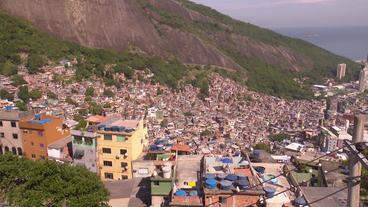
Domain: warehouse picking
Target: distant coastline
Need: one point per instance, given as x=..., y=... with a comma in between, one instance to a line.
x=351, y=42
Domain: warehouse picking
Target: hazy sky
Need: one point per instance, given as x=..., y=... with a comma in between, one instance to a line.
x=295, y=13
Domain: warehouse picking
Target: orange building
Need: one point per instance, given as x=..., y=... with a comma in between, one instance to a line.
x=39, y=132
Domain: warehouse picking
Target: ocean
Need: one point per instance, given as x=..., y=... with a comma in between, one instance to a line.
x=351, y=42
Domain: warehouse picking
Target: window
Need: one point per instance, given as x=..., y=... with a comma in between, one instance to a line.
x=42, y=157
x=124, y=177
x=88, y=140
x=32, y=144
x=40, y=133
x=20, y=151
x=15, y=136
x=42, y=145
x=13, y=124
x=106, y=150
x=156, y=183
x=14, y=150
x=6, y=149
x=33, y=156
x=109, y=176
x=124, y=165
x=120, y=138
x=1, y=150
x=107, y=163
x=123, y=151
x=2, y=135
x=143, y=171
x=107, y=137
x=222, y=200
x=78, y=140
x=1, y=123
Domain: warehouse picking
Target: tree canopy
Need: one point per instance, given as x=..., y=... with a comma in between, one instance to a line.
x=27, y=183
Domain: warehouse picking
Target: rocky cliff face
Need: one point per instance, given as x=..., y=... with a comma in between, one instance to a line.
x=167, y=28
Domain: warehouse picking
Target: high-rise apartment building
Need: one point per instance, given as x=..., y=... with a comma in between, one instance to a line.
x=341, y=70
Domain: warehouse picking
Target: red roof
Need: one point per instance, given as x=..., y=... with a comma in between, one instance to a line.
x=181, y=148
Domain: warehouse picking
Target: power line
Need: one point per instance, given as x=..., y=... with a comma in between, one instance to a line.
x=284, y=173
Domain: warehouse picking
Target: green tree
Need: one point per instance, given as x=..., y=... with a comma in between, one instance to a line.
x=35, y=94
x=95, y=108
x=8, y=68
x=279, y=137
x=21, y=105
x=34, y=63
x=18, y=80
x=52, y=95
x=90, y=92
x=27, y=183
x=261, y=146
x=4, y=94
x=70, y=101
x=23, y=94
x=108, y=93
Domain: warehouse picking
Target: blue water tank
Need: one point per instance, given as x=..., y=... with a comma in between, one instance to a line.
x=211, y=183
x=243, y=184
x=260, y=169
x=210, y=176
x=231, y=177
x=270, y=192
x=181, y=193
x=114, y=128
x=37, y=116
x=121, y=129
x=300, y=201
x=226, y=185
x=101, y=127
x=242, y=177
x=107, y=128
x=193, y=193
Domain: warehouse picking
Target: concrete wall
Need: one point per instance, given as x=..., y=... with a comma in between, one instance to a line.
x=8, y=142
x=134, y=146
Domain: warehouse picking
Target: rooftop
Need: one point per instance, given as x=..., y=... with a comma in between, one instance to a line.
x=97, y=119
x=13, y=115
x=61, y=143
x=322, y=197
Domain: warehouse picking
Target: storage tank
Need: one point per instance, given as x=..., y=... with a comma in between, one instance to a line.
x=211, y=183
x=270, y=192
x=226, y=185
x=166, y=171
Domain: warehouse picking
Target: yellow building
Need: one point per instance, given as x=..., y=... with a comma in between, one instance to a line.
x=118, y=144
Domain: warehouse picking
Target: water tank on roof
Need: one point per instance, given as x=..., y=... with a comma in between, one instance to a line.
x=37, y=116
x=107, y=128
x=231, y=177
x=300, y=201
x=243, y=184
x=121, y=129
x=101, y=127
x=242, y=177
x=114, y=128
x=193, y=193
x=260, y=169
x=181, y=193
x=211, y=183
x=226, y=184
x=8, y=108
x=221, y=176
x=210, y=176
x=270, y=192
x=167, y=172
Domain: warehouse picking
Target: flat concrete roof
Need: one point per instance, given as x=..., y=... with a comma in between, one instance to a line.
x=323, y=197
x=188, y=169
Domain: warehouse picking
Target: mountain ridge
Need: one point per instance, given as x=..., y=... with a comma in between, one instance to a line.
x=189, y=32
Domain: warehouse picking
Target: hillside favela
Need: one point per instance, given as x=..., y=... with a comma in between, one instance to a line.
x=183, y=103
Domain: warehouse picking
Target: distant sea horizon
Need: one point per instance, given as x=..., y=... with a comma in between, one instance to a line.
x=350, y=42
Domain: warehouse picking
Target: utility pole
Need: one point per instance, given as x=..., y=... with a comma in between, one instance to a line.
x=355, y=166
